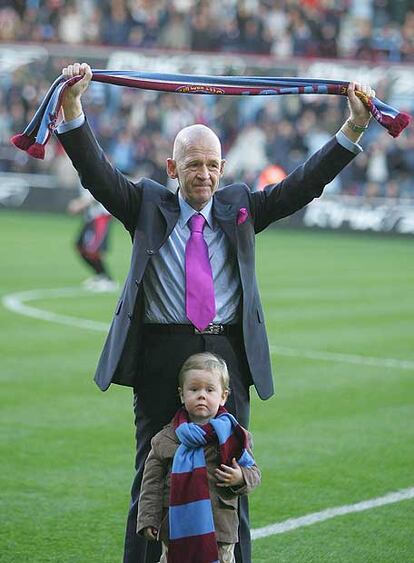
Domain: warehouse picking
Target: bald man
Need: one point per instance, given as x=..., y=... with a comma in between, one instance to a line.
x=152, y=332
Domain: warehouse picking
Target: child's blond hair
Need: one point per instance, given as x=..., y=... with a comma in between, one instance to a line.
x=206, y=361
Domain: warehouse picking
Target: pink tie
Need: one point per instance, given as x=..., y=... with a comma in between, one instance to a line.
x=200, y=305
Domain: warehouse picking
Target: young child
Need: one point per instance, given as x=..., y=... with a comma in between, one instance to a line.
x=197, y=467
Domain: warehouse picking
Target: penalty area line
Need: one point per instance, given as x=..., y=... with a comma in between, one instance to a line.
x=317, y=517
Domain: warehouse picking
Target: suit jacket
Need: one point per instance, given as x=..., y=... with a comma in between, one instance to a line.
x=154, y=498
x=149, y=211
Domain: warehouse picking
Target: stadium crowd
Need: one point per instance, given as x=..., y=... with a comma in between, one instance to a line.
x=263, y=137
x=370, y=29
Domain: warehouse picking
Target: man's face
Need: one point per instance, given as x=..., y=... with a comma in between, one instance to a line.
x=198, y=167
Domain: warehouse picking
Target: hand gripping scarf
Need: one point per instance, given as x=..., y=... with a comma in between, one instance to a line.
x=44, y=122
x=192, y=537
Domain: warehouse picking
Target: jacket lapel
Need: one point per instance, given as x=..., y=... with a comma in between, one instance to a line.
x=170, y=209
x=226, y=218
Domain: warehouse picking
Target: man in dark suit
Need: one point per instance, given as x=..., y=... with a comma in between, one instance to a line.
x=151, y=334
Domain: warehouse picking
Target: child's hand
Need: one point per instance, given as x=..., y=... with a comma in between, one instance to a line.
x=229, y=476
x=150, y=533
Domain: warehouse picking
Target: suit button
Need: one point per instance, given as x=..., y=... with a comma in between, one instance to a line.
x=137, y=283
x=130, y=316
x=150, y=252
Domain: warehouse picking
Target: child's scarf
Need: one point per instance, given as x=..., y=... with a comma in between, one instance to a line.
x=192, y=537
x=44, y=122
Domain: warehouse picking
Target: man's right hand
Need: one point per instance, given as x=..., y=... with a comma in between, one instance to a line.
x=71, y=102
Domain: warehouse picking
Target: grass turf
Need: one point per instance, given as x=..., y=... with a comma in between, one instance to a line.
x=338, y=431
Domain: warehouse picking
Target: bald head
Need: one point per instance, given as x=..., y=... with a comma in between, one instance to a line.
x=195, y=135
x=196, y=164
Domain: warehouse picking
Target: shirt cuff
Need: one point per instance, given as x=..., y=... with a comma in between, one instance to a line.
x=66, y=126
x=347, y=143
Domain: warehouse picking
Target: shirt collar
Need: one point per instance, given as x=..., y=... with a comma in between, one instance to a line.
x=186, y=211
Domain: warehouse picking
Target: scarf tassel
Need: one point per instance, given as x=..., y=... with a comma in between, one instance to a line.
x=396, y=124
x=23, y=141
x=44, y=122
x=29, y=144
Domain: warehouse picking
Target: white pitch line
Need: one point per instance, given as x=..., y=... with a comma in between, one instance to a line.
x=16, y=302
x=343, y=358
x=316, y=517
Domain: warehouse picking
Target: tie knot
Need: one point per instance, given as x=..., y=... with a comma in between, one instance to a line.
x=197, y=223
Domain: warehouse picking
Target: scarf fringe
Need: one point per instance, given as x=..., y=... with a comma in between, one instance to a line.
x=22, y=141
x=36, y=150
x=37, y=133
x=397, y=124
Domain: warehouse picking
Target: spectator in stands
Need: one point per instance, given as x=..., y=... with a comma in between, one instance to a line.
x=71, y=28
x=201, y=36
x=176, y=32
x=116, y=24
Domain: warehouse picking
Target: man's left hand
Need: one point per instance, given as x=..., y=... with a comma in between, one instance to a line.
x=359, y=112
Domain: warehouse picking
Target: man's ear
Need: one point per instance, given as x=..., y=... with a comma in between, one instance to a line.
x=222, y=165
x=180, y=392
x=172, y=168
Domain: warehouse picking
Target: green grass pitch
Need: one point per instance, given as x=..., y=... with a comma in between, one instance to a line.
x=340, y=316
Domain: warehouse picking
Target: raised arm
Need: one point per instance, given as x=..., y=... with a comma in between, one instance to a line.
x=307, y=181
x=108, y=185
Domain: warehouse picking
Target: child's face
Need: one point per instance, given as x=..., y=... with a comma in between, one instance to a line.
x=202, y=395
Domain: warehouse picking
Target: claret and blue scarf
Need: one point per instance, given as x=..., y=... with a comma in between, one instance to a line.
x=35, y=136
x=192, y=535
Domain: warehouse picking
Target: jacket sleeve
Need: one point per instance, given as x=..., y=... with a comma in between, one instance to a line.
x=301, y=186
x=150, y=506
x=121, y=197
x=251, y=476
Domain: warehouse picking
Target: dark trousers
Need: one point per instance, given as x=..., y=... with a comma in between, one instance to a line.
x=155, y=402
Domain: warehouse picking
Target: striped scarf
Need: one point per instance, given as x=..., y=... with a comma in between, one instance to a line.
x=192, y=537
x=44, y=122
